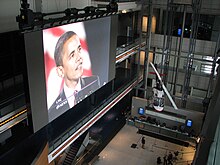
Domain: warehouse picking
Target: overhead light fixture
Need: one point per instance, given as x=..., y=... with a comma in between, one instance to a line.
x=123, y=11
x=29, y=20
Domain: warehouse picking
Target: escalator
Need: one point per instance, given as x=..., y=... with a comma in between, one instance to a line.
x=73, y=150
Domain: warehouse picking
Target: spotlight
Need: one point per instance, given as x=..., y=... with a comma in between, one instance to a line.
x=71, y=11
x=27, y=17
x=24, y=4
x=89, y=9
x=112, y=6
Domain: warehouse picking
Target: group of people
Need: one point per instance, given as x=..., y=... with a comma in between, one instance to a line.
x=168, y=159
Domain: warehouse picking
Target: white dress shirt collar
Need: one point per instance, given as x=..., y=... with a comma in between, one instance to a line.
x=69, y=93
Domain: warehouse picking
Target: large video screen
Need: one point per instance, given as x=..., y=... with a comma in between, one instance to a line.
x=76, y=59
x=65, y=64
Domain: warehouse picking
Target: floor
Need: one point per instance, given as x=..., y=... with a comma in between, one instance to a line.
x=121, y=151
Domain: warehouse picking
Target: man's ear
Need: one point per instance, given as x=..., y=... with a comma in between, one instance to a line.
x=60, y=71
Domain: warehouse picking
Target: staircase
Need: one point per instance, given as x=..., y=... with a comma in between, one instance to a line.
x=73, y=150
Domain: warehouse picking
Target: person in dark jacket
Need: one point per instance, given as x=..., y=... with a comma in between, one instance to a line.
x=143, y=142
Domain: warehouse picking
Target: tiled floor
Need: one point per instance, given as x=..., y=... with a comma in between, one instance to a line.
x=120, y=152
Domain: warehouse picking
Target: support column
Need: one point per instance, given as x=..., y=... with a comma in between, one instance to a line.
x=168, y=46
x=147, y=47
x=160, y=21
x=196, y=6
x=212, y=75
x=180, y=49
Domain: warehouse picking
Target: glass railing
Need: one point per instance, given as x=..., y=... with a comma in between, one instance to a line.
x=66, y=134
x=94, y=142
x=64, y=126
x=12, y=104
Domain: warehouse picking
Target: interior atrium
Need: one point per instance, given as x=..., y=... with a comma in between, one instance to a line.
x=109, y=82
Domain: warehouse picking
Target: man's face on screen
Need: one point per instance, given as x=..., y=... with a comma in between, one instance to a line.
x=72, y=60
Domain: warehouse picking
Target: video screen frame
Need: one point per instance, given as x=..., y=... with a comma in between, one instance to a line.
x=64, y=91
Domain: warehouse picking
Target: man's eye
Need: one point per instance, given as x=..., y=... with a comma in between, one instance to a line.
x=79, y=49
x=71, y=55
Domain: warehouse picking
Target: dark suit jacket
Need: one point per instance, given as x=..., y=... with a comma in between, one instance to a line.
x=60, y=105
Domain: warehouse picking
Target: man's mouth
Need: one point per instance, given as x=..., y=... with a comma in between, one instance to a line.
x=79, y=66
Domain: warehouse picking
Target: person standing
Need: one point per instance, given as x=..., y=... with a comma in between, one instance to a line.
x=165, y=160
x=143, y=142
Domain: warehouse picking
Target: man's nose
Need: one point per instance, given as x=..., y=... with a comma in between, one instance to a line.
x=79, y=56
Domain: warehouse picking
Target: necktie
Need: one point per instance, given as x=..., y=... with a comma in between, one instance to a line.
x=75, y=97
